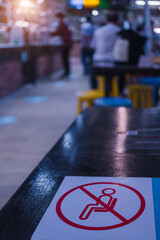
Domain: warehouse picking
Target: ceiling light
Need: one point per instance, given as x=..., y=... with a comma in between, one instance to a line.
x=95, y=13
x=154, y=3
x=151, y=3
x=140, y=3
x=157, y=30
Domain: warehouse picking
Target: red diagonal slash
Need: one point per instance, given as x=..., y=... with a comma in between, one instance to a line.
x=104, y=205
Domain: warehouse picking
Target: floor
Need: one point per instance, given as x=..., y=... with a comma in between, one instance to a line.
x=40, y=114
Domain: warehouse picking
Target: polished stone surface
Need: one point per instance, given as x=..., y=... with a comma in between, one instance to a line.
x=96, y=144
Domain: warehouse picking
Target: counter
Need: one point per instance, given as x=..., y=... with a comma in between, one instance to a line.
x=24, y=64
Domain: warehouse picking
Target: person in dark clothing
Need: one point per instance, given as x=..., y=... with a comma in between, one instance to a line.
x=135, y=48
x=136, y=45
x=87, y=30
x=64, y=32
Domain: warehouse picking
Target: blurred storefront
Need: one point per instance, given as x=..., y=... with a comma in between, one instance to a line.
x=27, y=50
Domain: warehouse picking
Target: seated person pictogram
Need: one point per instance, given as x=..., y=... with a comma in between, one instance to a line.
x=106, y=198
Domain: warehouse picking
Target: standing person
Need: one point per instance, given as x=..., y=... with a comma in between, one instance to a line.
x=155, y=40
x=104, y=39
x=87, y=30
x=103, y=42
x=64, y=32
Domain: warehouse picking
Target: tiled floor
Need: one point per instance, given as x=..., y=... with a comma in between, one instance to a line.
x=39, y=125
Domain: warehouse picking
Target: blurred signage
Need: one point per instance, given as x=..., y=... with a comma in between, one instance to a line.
x=75, y=3
x=91, y=3
x=79, y=4
x=105, y=4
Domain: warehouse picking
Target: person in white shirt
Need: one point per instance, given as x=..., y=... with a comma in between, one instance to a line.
x=87, y=30
x=103, y=42
x=104, y=39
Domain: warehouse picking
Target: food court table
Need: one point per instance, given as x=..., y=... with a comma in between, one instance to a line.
x=104, y=142
x=109, y=68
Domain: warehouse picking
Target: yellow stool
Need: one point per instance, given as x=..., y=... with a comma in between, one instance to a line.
x=89, y=96
x=141, y=95
x=115, y=90
x=127, y=78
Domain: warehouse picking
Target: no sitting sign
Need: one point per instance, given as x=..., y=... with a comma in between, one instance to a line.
x=101, y=208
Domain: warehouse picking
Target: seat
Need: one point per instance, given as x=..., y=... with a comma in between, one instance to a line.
x=113, y=102
x=115, y=88
x=152, y=81
x=141, y=95
x=115, y=91
x=89, y=96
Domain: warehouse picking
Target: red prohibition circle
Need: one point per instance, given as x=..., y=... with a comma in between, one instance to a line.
x=64, y=219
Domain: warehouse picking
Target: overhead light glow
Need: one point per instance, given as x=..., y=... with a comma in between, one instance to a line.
x=26, y=3
x=95, y=13
x=154, y=3
x=40, y=1
x=157, y=30
x=140, y=3
x=151, y=3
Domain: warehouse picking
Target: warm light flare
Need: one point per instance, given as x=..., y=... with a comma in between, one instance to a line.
x=26, y=4
x=40, y=1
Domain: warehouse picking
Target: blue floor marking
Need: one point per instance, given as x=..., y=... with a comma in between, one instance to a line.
x=7, y=120
x=59, y=83
x=36, y=99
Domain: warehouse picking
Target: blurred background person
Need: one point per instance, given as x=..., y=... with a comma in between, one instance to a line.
x=141, y=30
x=103, y=42
x=87, y=30
x=64, y=32
x=104, y=39
x=155, y=40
